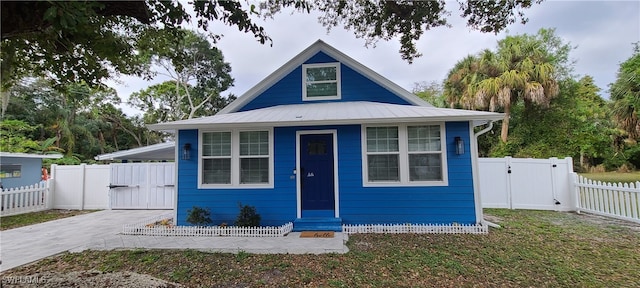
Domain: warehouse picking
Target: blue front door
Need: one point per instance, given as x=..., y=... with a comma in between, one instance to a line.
x=317, y=175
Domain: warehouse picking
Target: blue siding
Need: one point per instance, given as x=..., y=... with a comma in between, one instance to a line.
x=358, y=204
x=31, y=172
x=431, y=204
x=276, y=205
x=355, y=87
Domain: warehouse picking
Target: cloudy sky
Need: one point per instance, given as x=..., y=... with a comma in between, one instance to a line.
x=601, y=31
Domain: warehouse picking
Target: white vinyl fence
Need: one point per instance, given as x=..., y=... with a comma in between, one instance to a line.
x=616, y=200
x=79, y=187
x=517, y=183
x=26, y=199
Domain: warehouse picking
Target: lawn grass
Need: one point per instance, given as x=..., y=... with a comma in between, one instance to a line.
x=614, y=177
x=15, y=221
x=533, y=249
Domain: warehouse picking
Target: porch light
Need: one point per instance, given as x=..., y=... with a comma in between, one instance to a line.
x=459, y=146
x=186, y=151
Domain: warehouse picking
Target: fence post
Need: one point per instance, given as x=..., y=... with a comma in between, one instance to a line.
x=83, y=168
x=507, y=161
x=51, y=192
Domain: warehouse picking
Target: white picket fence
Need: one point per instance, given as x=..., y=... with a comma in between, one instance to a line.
x=615, y=200
x=153, y=227
x=416, y=228
x=27, y=199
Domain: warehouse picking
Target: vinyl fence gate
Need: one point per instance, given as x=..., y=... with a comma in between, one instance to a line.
x=142, y=186
x=517, y=183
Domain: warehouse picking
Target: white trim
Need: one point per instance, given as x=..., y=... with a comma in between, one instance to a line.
x=176, y=182
x=140, y=153
x=27, y=155
x=475, y=170
x=403, y=152
x=235, y=160
x=329, y=113
x=338, y=95
x=336, y=191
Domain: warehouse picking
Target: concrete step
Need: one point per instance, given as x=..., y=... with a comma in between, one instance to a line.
x=317, y=224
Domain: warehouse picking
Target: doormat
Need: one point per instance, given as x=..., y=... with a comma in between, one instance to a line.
x=317, y=234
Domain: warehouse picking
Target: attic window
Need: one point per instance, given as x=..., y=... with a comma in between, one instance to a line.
x=321, y=81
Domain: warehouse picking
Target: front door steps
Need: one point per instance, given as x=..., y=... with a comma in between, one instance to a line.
x=317, y=224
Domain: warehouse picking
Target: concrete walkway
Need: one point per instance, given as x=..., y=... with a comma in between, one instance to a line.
x=101, y=231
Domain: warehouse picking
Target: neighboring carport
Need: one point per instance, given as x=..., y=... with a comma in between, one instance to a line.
x=156, y=152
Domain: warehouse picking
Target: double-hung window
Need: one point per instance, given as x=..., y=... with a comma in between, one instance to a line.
x=216, y=158
x=236, y=159
x=383, y=154
x=321, y=81
x=404, y=155
x=254, y=157
x=425, y=153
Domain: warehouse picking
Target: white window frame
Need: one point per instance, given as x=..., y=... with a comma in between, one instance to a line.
x=337, y=81
x=403, y=148
x=235, y=161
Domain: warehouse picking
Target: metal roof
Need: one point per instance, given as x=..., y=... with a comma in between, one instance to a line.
x=330, y=113
x=157, y=152
x=295, y=62
x=27, y=155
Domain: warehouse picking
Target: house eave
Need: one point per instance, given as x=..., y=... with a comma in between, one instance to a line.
x=27, y=155
x=161, y=151
x=174, y=127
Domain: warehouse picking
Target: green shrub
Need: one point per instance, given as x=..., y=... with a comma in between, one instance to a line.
x=248, y=216
x=199, y=216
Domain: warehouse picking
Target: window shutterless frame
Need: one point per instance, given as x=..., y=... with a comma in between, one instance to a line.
x=236, y=158
x=321, y=81
x=404, y=157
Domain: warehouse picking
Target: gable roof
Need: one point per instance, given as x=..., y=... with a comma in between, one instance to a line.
x=330, y=113
x=301, y=58
x=161, y=151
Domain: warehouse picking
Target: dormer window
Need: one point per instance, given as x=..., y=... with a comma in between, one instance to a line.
x=321, y=81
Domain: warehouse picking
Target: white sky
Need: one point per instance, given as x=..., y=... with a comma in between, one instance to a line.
x=603, y=32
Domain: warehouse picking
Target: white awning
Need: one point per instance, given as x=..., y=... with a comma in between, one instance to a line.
x=331, y=113
x=27, y=155
x=156, y=152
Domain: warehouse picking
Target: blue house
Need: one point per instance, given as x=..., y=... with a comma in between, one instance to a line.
x=22, y=169
x=325, y=141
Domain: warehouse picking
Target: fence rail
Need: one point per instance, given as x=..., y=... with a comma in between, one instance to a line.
x=24, y=199
x=615, y=200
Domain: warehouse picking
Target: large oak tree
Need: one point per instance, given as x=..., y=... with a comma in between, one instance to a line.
x=69, y=41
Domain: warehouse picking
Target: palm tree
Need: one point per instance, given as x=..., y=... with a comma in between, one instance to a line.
x=625, y=93
x=521, y=69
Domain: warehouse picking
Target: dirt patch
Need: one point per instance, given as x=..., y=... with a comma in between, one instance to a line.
x=82, y=279
x=608, y=221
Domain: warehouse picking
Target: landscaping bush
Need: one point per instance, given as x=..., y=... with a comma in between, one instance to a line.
x=248, y=216
x=199, y=216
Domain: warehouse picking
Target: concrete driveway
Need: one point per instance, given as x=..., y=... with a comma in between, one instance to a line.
x=31, y=243
x=101, y=231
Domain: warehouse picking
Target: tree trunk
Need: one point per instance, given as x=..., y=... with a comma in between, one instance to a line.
x=505, y=124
